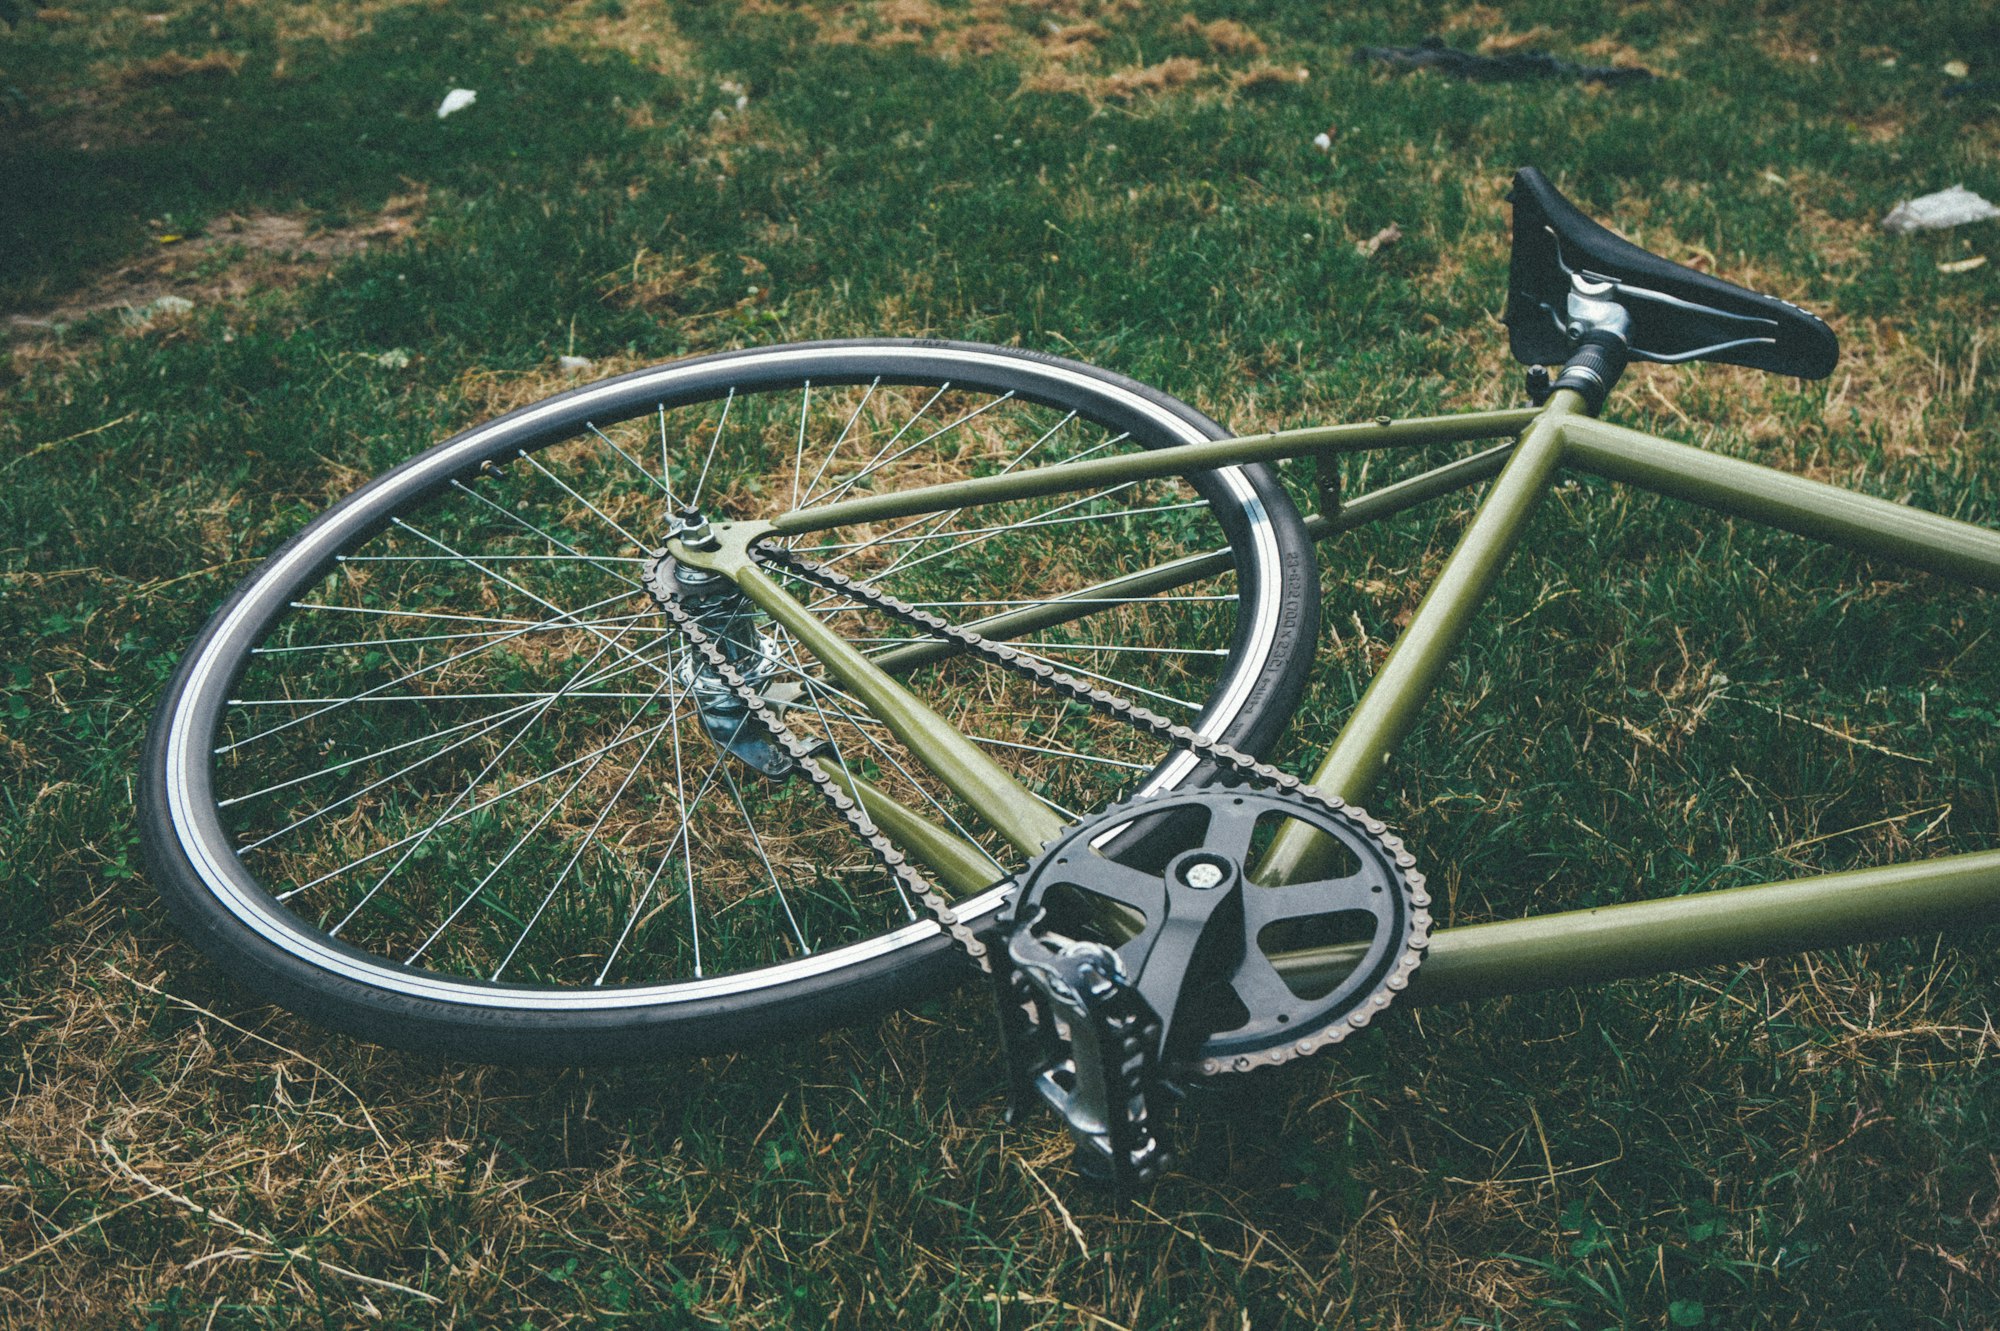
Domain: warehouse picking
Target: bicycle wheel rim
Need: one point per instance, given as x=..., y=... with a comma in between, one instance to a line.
x=192, y=719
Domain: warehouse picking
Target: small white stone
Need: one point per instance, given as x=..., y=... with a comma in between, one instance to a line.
x=573, y=362
x=1323, y=141
x=455, y=101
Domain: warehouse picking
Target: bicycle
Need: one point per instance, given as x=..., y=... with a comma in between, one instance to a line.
x=528, y=750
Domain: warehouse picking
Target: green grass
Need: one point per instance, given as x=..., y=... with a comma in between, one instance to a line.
x=1658, y=701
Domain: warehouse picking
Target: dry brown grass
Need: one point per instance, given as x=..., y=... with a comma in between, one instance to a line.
x=642, y=31
x=299, y=21
x=172, y=66
x=1056, y=43
x=1224, y=36
x=1121, y=84
x=234, y=258
x=118, y=1074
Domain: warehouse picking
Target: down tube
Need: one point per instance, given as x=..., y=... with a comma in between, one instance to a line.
x=1390, y=706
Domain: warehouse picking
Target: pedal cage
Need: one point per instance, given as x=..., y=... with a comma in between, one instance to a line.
x=1078, y=1037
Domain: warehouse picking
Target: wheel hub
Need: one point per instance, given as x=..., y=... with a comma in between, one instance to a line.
x=726, y=615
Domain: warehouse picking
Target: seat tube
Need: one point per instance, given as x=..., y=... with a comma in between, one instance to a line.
x=1391, y=704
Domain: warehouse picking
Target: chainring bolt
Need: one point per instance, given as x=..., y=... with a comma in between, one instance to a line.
x=1202, y=874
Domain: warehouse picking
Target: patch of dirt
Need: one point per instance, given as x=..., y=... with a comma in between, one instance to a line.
x=234, y=257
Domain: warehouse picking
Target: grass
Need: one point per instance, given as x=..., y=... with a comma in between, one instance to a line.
x=1658, y=702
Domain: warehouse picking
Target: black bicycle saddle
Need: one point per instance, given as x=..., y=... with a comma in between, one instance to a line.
x=1677, y=314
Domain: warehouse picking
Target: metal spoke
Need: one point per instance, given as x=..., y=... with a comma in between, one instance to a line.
x=907, y=449
x=714, y=443
x=836, y=491
x=489, y=722
x=1060, y=753
x=420, y=670
x=1070, y=667
x=486, y=723
x=853, y=417
x=1055, y=600
x=420, y=697
x=908, y=557
x=687, y=833
x=509, y=559
x=509, y=582
x=853, y=790
x=938, y=520
x=610, y=521
x=590, y=836
x=639, y=904
x=1119, y=647
x=613, y=445
x=412, y=614
x=540, y=822
x=1046, y=521
x=666, y=467
x=451, y=637
x=456, y=800
x=459, y=816
x=736, y=793
x=547, y=536
x=919, y=786
x=853, y=548
x=345, y=800
x=799, y=454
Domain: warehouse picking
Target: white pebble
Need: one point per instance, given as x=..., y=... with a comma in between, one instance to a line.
x=455, y=101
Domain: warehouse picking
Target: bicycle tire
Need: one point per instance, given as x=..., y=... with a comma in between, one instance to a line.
x=290, y=957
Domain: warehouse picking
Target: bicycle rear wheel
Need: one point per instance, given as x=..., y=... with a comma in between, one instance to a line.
x=436, y=774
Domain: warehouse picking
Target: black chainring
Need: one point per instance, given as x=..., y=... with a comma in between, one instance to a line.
x=1165, y=880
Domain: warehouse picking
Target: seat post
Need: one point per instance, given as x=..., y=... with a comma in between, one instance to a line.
x=1598, y=328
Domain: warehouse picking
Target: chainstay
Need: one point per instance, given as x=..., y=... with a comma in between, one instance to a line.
x=843, y=803
x=1223, y=756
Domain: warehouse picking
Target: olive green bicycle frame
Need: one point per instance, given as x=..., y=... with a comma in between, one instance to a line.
x=1571, y=947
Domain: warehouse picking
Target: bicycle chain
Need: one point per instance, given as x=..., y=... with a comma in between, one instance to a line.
x=893, y=861
x=1240, y=764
